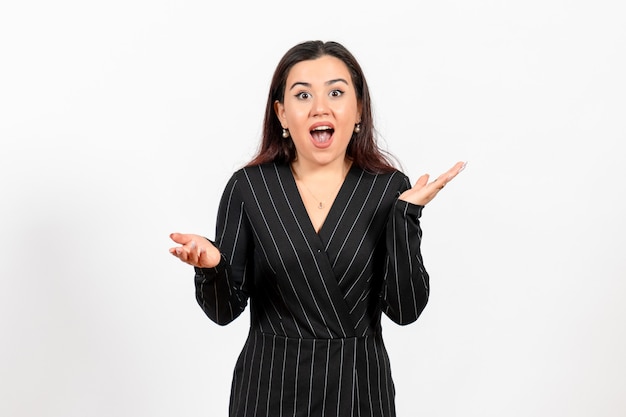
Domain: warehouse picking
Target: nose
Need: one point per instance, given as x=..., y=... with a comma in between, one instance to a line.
x=320, y=106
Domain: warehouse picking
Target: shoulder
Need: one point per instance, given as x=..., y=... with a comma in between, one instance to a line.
x=395, y=175
x=394, y=181
x=254, y=173
x=263, y=178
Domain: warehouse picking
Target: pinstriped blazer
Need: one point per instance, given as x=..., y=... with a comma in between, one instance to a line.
x=316, y=299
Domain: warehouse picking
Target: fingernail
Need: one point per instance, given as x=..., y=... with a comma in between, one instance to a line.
x=463, y=167
x=179, y=251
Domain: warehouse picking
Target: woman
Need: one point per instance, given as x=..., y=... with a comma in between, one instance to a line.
x=321, y=234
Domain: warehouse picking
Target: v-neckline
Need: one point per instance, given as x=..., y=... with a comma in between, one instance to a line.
x=343, y=189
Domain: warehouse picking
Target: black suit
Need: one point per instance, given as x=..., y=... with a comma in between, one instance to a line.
x=315, y=345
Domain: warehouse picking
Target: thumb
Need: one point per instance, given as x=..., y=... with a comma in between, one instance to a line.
x=423, y=180
x=181, y=238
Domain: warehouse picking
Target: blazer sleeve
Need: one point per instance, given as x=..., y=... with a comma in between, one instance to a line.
x=223, y=291
x=406, y=282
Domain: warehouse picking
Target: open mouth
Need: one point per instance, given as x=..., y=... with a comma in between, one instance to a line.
x=322, y=134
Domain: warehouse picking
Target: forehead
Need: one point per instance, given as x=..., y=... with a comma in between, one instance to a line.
x=319, y=70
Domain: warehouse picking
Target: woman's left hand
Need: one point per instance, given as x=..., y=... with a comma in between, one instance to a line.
x=423, y=191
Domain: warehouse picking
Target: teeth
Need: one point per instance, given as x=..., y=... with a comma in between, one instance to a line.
x=322, y=128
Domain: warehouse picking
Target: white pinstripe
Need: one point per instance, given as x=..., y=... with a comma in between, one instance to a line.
x=312, y=253
x=300, y=298
x=295, y=253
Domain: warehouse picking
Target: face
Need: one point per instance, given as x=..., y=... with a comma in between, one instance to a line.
x=320, y=109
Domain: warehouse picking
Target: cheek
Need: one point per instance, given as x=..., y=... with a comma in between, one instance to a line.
x=295, y=115
x=349, y=112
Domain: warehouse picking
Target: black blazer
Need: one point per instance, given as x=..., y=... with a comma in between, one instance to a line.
x=315, y=345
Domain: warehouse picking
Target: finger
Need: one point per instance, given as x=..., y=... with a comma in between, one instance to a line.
x=455, y=170
x=177, y=252
x=199, y=253
x=422, y=181
x=445, y=178
x=181, y=238
x=438, y=183
x=203, y=257
x=181, y=254
x=191, y=252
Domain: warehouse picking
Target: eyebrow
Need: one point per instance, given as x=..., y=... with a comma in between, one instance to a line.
x=308, y=85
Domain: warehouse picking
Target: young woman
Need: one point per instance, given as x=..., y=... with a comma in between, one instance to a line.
x=320, y=233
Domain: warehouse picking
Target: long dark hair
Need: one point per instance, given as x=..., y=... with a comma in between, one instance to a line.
x=362, y=149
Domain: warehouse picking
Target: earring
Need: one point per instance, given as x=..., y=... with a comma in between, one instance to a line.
x=285, y=133
x=357, y=128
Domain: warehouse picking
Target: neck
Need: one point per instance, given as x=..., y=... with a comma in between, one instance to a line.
x=305, y=171
x=320, y=184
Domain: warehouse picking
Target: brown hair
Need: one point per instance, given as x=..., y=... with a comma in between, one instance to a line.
x=362, y=149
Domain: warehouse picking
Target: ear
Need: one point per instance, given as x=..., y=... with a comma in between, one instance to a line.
x=359, y=109
x=279, y=109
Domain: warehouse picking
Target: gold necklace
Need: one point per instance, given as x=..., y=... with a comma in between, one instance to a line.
x=320, y=204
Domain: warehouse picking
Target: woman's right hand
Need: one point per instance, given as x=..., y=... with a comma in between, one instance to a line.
x=195, y=250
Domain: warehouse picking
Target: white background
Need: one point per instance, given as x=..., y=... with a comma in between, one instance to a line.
x=121, y=121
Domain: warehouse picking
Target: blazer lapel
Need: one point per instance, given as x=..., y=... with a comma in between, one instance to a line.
x=322, y=239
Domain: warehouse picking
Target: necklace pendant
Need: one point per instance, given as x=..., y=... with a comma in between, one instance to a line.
x=320, y=205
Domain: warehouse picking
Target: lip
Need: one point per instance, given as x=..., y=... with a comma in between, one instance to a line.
x=318, y=124
x=321, y=145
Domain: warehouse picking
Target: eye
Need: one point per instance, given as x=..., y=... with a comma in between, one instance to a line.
x=303, y=95
x=336, y=93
